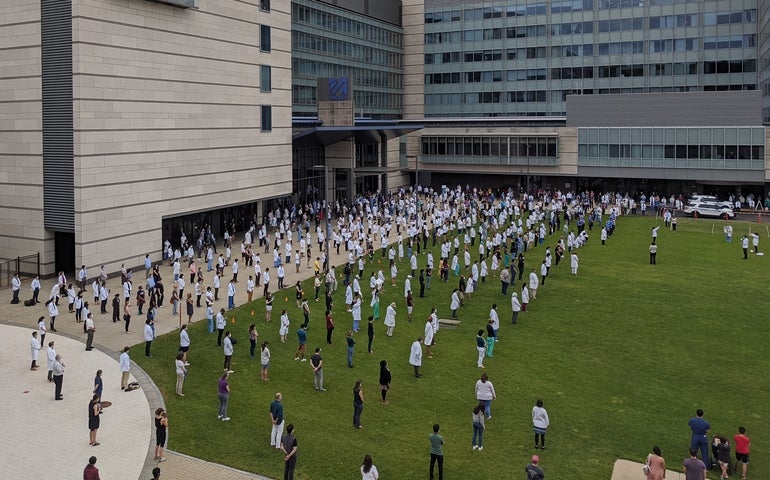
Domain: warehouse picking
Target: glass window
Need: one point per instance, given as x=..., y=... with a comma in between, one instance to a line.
x=265, y=78
x=264, y=5
x=266, y=118
x=264, y=38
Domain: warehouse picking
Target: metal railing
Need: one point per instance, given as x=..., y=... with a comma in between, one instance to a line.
x=27, y=266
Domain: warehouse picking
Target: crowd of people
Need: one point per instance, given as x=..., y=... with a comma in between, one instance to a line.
x=476, y=234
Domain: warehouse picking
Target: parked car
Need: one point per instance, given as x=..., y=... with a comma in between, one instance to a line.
x=709, y=209
x=697, y=199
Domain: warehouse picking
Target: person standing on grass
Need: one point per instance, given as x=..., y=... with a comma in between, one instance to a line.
x=515, y=307
x=742, y=448
x=329, y=326
x=695, y=469
x=253, y=336
x=385, y=379
x=276, y=418
x=653, y=253
x=573, y=261
x=301, y=344
x=264, y=360
x=485, y=393
x=533, y=469
x=223, y=392
x=358, y=404
x=369, y=333
x=221, y=324
x=390, y=318
x=455, y=303
x=317, y=363
x=540, y=422
x=289, y=449
x=415, y=356
x=699, y=440
x=478, y=427
x=228, y=350
x=755, y=241
x=481, y=347
x=181, y=373
x=351, y=347
x=369, y=471
x=436, y=452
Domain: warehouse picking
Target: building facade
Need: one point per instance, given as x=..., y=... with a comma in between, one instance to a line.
x=121, y=116
x=514, y=92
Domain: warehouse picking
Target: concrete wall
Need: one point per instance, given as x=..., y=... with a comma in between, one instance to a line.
x=167, y=118
x=21, y=154
x=690, y=109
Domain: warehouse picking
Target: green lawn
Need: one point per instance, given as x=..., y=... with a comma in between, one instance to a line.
x=622, y=356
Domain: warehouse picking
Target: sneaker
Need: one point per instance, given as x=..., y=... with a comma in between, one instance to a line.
x=323, y=389
x=225, y=419
x=161, y=460
x=296, y=358
x=304, y=359
x=481, y=448
x=219, y=417
x=475, y=447
x=233, y=371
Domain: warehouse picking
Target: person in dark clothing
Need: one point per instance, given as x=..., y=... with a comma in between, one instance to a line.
x=289, y=448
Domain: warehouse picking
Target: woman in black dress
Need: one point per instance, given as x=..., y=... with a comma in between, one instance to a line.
x=384, y=381
x=94, y=410
x=161, y=423
x=190, y=307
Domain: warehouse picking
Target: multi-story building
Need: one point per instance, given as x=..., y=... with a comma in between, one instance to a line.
x=127, y=122
x=519, y=92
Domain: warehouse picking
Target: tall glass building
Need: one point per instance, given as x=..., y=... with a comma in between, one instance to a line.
x=607, y=94
x=514, y=58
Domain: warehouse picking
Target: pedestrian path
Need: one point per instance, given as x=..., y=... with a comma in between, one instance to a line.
x=47, y=439
x=628, y=470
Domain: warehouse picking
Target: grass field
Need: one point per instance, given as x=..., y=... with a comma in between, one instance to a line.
x=622, y=355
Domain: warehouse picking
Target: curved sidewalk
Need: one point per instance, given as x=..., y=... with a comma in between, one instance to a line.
x=45, y=439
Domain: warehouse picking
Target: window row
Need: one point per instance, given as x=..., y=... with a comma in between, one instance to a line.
x=343, y=49
x=609, y=48
x=491, y=146
x=345, y=25
x=608, y=4
x=486, y=55
x=601, y=71
x=730, y=152
x=528, y=96
x=729, y=41
x=627, y=24
x=303, y=68
x=470, y=14
x=367, y=99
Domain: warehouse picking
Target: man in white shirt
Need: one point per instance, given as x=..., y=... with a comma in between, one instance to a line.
x=221, y=323
x=250, y=288
x=149, y=336
x=16, y=287
x=90, y=329
x=125, y=368
x=235, y=270
x=534, y=282
x=83, y=277
x=231, y=295
x=35, y=286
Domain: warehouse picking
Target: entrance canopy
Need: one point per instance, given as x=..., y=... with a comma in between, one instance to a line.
x=364, y=131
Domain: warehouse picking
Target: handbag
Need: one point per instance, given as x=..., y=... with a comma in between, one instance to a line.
x=646, y=466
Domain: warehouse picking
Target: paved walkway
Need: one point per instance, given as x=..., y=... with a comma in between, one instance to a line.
x=45, y=439
x=628, y=470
